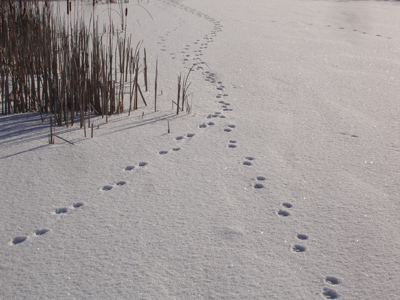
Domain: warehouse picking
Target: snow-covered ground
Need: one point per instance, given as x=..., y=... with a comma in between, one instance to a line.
x=282, y=183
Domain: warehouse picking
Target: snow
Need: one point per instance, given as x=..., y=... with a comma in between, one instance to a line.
x=282, y=183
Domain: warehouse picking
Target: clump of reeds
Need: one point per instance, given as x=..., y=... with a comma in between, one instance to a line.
x=68, y=69
x=63, y=69
x=183, y=87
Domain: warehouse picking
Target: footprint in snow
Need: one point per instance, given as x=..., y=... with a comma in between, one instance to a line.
x=107, y=188
x=143, y=164
x=232, y=144
x=166, y=152
x=60, y=211
x=78, y=204
x=298, y=248
x=19, y=239
x=179, y=138
x=332, y=280
x=287, y=205
x=129, y=168
x=248, y=161
x=41, y=231
x=330, y=294
x=189, y=135
x=302, y=237
x=283, y=213
x=259, y=185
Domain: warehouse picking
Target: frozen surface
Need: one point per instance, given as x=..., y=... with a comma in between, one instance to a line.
x=282, y=183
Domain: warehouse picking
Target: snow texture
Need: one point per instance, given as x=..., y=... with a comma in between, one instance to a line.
x=282, y=182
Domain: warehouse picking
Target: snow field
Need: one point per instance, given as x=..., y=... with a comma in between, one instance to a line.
x=281, y=184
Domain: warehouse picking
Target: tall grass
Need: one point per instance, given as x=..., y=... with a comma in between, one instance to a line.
x=63, y=67
x=68, y=69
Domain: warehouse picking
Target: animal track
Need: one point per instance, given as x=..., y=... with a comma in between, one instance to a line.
x=143, y=164
x=163, y=152
x=19, y=240
x=258, y=186
x=302, y=237
x=248, y=161
x=230, y=127
x=330, y=294
x=110, y=187
x=78, y=204
x=38, y=232
x=62, y=210
x=283, y=213
x=107, y=188
x=298, y=248
x=348, y=134
x=287, y=205
x=41, y=231
x=189, y=135
x=232, y=144
x=332, y=280
x=129, y=168
x=176, y=149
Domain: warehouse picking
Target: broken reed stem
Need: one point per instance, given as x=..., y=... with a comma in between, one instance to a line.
x=179, y=93
x=145, y=69
x=185, y=87
x=155, y=87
